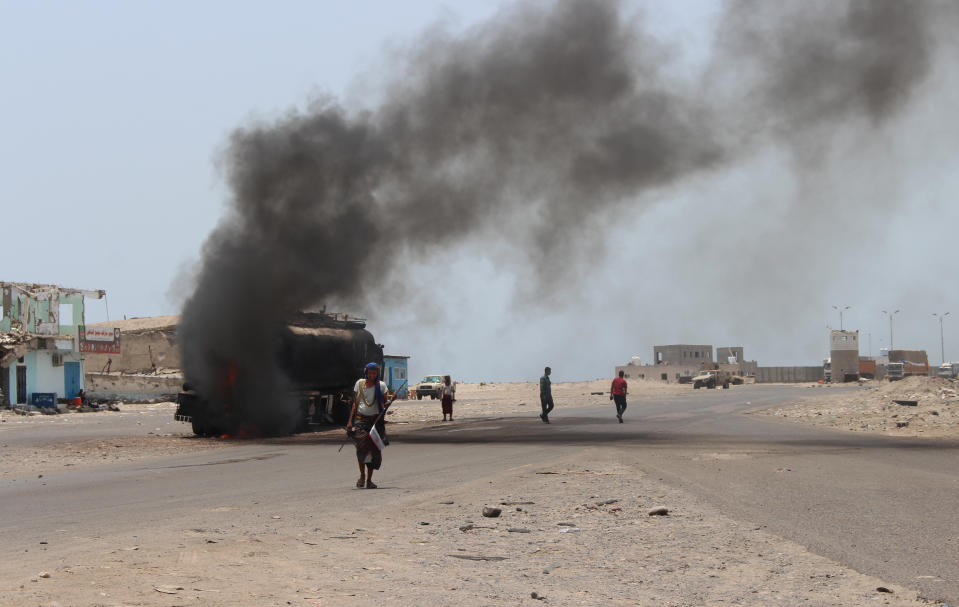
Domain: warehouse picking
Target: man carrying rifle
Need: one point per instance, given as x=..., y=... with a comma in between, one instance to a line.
x=369, y=407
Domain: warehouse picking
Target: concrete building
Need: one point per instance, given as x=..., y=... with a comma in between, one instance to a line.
x=729, y=354
x=844, y=355
x=674, y=362
x=42, y=337
x=395, y=374
x=681, y=354
x=149, y=346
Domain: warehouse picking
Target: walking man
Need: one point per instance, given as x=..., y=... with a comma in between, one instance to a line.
x=617, y=394
x=545, y=395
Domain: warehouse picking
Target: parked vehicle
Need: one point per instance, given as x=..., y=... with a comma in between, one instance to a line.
x=321, y=355
x=867, y=368
x=429, y=386
x=711, y=378
x=827, y=369
x=914, y=362
x=948, y=370
x=894, y=371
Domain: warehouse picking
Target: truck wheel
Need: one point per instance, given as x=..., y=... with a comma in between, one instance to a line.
x=199, y=429
x=711, y=385
x=697, y=386
x=726, y=385
x=419, y=396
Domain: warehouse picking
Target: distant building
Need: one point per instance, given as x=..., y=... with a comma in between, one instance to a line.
x=729, y=354
x=395, y=374
x=679, y=361
x=682, y=354
x=844, y=355
x=42, y=335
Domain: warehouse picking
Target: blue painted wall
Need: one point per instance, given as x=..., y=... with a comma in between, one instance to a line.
x=396, y=374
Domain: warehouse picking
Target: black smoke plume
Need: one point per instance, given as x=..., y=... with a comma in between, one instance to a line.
x=532, y=126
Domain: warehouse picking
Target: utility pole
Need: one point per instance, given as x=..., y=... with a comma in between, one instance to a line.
x=891, y=314
x=942, y=342
x=840, y=314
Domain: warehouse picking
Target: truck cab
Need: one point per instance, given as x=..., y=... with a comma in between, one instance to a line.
x=948, y=370
x=431, y=385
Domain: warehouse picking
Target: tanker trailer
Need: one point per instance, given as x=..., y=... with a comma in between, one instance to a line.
x=321, y=357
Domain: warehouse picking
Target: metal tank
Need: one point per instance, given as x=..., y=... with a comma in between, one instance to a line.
x=321, y=355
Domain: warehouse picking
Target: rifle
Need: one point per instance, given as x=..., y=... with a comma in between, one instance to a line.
x=378, y=417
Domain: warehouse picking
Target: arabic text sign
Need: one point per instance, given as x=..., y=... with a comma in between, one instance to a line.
x=100, y=340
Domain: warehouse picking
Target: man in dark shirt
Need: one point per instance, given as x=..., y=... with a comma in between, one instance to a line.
x=617, y=394
x=545, y=395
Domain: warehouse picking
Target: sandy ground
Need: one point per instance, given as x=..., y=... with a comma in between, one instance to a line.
x=873, y=408
x=474, y=401
x=575, y=531
x=162, y=440
x=573, y=534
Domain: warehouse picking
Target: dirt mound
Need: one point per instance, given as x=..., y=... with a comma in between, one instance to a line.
x=927, y=406
x=916, y=388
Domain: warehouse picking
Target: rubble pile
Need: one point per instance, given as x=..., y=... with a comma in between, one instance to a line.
x=12, y=337
x=912, y=406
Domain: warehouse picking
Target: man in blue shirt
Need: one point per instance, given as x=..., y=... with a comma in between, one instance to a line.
x=545, y=395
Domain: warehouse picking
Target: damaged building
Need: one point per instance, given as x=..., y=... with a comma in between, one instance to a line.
x=41, y=330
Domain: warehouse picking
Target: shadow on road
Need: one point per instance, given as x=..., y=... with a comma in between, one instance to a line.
x=587, y=431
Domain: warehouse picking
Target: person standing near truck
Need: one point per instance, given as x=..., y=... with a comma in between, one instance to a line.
x=369, y=404
x=546, y=395
x=447, y=397
x=617, y=394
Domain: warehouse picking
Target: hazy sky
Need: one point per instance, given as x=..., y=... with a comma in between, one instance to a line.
x=114, y=115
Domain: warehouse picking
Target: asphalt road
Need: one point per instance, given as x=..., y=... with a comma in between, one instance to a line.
x=883, y=506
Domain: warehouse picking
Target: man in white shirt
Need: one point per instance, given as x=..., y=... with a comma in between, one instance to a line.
x=369, y=402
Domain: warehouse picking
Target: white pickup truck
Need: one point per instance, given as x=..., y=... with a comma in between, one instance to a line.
x=429, y=386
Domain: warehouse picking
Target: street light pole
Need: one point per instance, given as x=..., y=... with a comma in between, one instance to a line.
x=890, y=324
x=942, y=342
x=840, y=314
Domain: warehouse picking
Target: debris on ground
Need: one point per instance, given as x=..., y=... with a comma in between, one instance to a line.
x=912, y=406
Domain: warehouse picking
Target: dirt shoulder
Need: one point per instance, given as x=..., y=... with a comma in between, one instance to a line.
x=157, y=436
x=931, y=408
x=575, y=531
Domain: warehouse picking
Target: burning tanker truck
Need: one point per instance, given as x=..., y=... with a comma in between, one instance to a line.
x=321, y=355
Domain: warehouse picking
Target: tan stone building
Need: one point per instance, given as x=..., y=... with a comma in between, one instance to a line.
x=148, y=345
x=671, y=363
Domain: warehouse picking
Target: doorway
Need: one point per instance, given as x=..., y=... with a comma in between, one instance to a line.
x=71, y=379
x=21, y=384
x=5, y=385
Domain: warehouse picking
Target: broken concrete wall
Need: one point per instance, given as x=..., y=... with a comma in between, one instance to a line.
x=35, y=308
x=132, y=387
